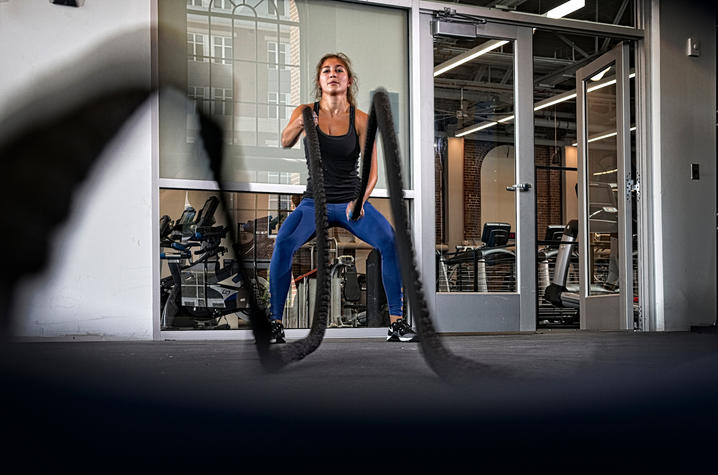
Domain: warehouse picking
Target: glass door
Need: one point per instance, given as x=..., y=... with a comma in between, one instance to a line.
x=484, y=226
x=604, y=192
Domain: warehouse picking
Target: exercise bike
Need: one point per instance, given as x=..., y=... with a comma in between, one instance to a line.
x=199, y=291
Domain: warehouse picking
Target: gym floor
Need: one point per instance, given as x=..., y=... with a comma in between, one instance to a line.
x=572, y=395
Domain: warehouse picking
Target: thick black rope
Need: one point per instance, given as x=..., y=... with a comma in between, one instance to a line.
x=444, y=363
x=277, y=357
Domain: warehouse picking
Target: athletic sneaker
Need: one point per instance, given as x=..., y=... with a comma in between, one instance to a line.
x=277, y=332
x=401, y=331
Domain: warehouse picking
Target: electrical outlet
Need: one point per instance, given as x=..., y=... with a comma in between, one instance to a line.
x=693, y=47
x=695, y=171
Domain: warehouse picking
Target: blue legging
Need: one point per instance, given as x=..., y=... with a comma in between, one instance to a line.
x=299, y=227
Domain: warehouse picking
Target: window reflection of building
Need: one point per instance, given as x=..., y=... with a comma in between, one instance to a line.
x=197, y=47
x=252, y=92
x=222, y=49
x=277, y=55
x=221, y=101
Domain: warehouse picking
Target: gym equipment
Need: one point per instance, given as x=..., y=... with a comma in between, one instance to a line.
x=345, y=294
x=495, y=234
x=489, y=267
x=548, y=313
x=199, y=291
x=557, y=293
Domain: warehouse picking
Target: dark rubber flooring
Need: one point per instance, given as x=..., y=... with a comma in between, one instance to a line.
x=569, y=397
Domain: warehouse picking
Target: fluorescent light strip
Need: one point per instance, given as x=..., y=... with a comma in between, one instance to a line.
x=558, y=12
x=608, y=82
x=601, y=137
x=568, y=7
x=481, y=126
x=566, y=96
x=600, y=75
x=468, y=56
x=563, y=97
x=607, y=172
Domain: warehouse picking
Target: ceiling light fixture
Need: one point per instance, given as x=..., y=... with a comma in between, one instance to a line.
x=600, y=75
x=566, y=8
x=604, y=136
x=551, y=101
x=476, y=128
x=468, y=56
x=558, y=12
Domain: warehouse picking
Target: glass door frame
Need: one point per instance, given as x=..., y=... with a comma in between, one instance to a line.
x=514, y=311
x=599, y=311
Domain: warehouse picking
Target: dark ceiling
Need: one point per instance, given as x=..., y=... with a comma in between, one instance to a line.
x=482, y=89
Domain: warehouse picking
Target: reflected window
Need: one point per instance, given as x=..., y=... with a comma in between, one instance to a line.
x=222, y=49
x=197, y=47
x=263, y=57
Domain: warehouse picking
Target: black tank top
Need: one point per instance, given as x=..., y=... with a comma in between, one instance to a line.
x=340, y=155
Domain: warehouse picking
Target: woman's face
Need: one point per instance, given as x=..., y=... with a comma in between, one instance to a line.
x=333, y=77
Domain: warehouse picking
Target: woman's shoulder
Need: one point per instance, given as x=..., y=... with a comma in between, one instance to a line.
x=301, y=107
x=361, y=117
x=298, y=110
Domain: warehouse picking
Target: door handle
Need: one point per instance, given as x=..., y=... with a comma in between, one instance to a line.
x=519, y=187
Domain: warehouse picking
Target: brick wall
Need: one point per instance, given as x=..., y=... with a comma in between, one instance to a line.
x=548, y=189
x=438, y=198
x=474, y=153
x=547, y=184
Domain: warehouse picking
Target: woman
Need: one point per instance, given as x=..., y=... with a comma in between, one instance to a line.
x=341, y=128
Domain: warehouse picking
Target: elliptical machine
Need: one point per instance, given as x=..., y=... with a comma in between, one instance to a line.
x=198, y=292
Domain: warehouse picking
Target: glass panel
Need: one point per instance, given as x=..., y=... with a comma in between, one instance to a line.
x=263, y=54
x=474, y=163
x=601, y=183
x=556, y=60
x=209, y=295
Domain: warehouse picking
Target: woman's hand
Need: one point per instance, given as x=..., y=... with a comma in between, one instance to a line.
x=350, y=206
x=299, y=121
x=295, y=127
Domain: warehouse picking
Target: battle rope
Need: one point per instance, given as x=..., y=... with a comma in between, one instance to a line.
x=278, y=357
x=120, y=104
x=444, y=363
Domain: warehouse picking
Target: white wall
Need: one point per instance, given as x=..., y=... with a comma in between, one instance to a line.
x=687, y=209
x=498, y=170
x=100, y=281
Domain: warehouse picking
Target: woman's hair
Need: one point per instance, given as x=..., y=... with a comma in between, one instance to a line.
x=351, y=91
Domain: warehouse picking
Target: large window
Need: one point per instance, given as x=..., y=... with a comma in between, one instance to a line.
x=201, y=288
x=258, y=60
x=250, y=64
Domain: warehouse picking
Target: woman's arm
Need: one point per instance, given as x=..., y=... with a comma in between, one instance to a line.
x=294, y=127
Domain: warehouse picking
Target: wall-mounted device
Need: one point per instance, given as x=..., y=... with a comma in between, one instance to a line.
x=695, y=171
x=693, y=47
